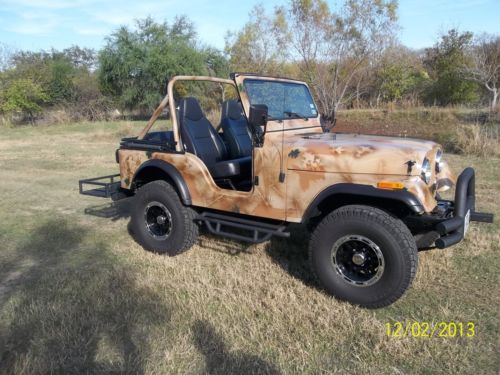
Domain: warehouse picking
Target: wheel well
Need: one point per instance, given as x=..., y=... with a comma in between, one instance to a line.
x=332, y=202
x=152, y=173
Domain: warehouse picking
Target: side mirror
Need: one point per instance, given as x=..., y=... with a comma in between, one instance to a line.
x=328, y=122
x=258, y=119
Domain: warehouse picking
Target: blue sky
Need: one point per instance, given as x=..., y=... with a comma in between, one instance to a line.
x=42, y=24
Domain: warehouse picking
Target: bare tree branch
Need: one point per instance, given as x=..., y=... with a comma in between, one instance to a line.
x=485, y=67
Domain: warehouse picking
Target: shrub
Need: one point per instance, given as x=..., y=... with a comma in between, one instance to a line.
x=22, y=95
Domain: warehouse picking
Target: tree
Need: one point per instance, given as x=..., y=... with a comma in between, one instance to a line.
x=399, y=75
x=330, y=50
x=215, y=62
x=6, y=53
x=32, y=65
x=88, y=101
x=22, y=95
x=257, y=48
x=54, y=71
x=60, y=85
x=82, y=58
x=484, y=65
x=334, y=47
x=67, y=79
x=136, y=64
x=445, y=63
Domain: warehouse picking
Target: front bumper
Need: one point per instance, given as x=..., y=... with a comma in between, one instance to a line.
x=452, y=229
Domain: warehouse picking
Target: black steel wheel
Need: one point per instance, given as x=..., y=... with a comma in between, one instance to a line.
x=358, y=260
x=160, y=222
x=363, y=255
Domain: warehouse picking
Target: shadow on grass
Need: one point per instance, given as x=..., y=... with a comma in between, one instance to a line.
x=207, y=240
x=115, y=210
x=219, y=360
x=220, y=244
x=76, y=309
x=291, y=254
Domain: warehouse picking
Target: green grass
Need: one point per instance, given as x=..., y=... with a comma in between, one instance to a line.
x=77, y=294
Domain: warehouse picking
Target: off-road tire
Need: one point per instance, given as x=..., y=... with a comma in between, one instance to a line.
x=393, y=239
x=184, y=230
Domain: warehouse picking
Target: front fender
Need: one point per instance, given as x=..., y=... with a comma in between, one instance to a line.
x=365, y=191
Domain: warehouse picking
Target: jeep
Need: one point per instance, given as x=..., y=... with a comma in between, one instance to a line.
x=370, y=202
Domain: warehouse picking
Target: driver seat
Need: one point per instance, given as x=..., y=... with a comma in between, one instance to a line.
x=200, y=138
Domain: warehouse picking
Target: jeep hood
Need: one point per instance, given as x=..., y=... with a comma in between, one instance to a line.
x=353, y=153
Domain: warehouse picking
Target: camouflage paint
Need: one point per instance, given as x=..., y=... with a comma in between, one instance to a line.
x=310, y=159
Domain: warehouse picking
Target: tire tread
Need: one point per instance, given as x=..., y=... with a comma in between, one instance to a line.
x=188, y=214
x=394, y=225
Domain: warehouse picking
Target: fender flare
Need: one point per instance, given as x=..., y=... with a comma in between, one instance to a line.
x=365, y=191
x=172, y=173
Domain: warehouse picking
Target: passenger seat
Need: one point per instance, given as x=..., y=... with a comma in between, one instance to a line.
x=235, y=128
x=200, y=138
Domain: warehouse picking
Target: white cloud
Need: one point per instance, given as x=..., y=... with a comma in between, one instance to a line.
x=34, y=28
x=451, y=5
x=48, y=4
x=115, y=19
x=116, y=14
x=91, y=31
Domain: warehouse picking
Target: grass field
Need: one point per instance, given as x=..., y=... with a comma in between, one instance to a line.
x=77, y=294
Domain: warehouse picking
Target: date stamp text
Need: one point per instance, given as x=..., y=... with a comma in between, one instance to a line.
x=427, y=329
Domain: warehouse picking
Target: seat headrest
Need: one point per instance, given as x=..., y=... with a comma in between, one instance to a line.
x=190, y=108
x=231, y=109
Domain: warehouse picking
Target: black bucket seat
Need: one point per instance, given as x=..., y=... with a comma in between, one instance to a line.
x=200, y=138
x=236, y=131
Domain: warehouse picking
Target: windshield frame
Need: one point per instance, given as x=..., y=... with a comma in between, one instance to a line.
x=284, y=82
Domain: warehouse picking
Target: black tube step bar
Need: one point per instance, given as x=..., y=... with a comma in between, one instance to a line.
x=259, y=231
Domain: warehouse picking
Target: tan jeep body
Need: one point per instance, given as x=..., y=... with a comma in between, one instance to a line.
x=310, y=160
x=370, y=202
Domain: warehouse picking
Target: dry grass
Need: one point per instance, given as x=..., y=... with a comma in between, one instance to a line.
x=478, y=140
x=470, y=131
x=77, y=294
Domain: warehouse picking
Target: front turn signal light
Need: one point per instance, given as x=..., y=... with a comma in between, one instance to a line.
x=390, y=185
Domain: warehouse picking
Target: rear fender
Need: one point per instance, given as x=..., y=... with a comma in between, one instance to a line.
x=158, y=169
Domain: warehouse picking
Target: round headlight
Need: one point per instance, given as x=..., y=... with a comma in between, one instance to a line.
x=426, y=171
x=439, y=161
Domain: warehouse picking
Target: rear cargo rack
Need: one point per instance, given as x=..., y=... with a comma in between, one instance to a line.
x=103, y=187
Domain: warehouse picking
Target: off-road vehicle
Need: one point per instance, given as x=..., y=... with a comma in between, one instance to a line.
x=370, y=202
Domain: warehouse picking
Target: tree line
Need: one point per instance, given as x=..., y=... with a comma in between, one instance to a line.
x=350, y=57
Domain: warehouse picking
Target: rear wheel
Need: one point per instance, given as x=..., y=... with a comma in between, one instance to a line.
x=363, y=255
x=160, y=222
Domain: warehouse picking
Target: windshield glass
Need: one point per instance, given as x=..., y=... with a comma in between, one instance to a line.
x=284, y=100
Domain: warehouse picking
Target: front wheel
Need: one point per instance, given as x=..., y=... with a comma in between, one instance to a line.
x=363, y=255
x=160, y=222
